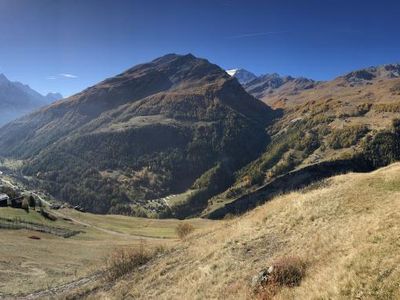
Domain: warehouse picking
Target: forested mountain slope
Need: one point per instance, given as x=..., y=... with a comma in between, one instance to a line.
x=149, y=132
x=353, y=118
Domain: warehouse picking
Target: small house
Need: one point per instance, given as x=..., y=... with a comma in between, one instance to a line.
x=4, y=200
x=17, y=202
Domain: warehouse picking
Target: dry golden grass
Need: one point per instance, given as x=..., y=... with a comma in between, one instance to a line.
x=347, y=230
x=184, y=229
x=125, y=260
x=28, y=265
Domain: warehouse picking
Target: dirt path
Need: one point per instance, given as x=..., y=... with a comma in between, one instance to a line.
x=8, y=182
x=63, y=288
x=112, y=232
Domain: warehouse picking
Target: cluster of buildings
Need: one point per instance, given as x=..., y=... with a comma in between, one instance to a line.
x=6, y=201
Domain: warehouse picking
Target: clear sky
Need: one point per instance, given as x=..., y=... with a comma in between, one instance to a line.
x=68, y=45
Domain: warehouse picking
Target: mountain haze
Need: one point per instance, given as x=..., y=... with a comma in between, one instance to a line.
x=17, y=99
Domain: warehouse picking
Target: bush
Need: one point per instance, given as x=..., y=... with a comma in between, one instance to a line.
x=25, y=205
x=288, y=271
x=285, y=272
x=126, y=260
x=184, y=229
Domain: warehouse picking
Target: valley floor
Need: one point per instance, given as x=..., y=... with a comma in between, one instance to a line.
x=28, y=265
x=346, y=230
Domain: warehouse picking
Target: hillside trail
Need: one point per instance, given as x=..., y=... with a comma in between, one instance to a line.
x=58, y=290
x=108, y=231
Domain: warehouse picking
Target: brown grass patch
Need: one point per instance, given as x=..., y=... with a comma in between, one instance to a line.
x=184, y=229
x=286, y=271
x=123, y=261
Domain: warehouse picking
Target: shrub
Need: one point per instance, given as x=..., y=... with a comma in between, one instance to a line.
x=25, y=205
x=126, y=260
x=184, y=229
x=287, y=271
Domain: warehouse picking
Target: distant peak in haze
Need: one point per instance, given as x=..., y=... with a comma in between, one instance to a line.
x=53, y=96
x=17, y=99
x=242, y=75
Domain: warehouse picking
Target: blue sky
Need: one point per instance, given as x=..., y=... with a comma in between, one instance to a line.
x=68, y=45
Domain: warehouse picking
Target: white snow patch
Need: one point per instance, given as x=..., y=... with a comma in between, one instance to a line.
x=232, y=72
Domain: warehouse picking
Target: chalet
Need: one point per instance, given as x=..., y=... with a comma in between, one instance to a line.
x=4, y=200
x=17, y=202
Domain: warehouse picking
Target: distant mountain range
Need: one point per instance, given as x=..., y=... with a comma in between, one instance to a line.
x=179, y=137
x=284, y=91
x=263, y=86
x=17, y=99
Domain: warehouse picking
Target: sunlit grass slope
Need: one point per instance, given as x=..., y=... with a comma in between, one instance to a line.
x=346, y=229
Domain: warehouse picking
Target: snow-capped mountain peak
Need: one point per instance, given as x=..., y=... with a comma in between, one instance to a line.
x=242, y=75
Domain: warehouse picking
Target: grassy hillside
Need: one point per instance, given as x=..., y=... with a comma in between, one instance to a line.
x=344, y=231
x=28, y=265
